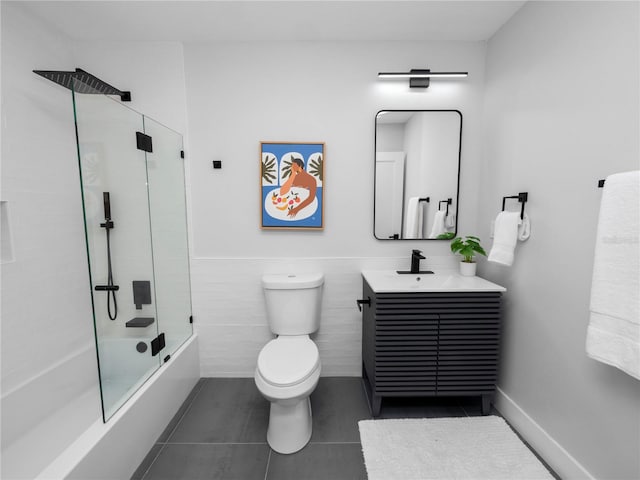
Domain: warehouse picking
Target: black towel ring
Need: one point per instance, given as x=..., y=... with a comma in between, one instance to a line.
x=448, y=202
x=522, y=198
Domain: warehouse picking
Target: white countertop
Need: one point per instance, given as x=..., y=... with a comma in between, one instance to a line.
x=389, y=281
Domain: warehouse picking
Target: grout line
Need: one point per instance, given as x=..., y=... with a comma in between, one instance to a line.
x=266, y=471
x=186, y=410
x=144, y=475
x=333, y=443
x=251, y=443
x=164, y=444
x=214, y=443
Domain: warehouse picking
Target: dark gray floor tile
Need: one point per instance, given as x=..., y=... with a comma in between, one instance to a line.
x=319, y=461
x=225, y=410
x=420, y=407
x=336, y=406
x=164, y=436
x=146, y=463
x=472, y=406
x=210, y=462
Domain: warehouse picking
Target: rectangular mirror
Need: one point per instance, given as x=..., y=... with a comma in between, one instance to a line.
x=417, y=174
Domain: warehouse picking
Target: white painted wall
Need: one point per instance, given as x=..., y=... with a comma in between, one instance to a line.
x=241, y=93
x=390, y=137
x=561, y=112
x=49, y=373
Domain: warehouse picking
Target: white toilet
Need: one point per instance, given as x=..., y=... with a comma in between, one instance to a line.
x=289, y=366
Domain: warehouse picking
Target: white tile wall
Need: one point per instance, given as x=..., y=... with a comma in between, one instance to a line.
x=228, y=309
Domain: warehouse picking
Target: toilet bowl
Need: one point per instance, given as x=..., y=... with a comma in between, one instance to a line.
x=288, y=367
x=287, y=373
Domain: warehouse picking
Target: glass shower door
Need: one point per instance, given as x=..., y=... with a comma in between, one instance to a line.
x=117, y=227
x=167, y=211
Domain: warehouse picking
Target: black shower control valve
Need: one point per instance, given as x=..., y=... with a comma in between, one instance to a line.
x=108, y=224
x=141, y=293
x=108, y=288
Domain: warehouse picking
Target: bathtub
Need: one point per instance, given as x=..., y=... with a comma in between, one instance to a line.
x=116, y=448
x=123, y=370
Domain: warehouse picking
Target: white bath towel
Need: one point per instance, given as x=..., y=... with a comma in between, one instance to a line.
x=524, y=228
x=505, y=237
x=613, y=335
x=413, y=219
x=438, y=224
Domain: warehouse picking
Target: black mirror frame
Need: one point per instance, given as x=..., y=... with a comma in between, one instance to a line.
x=375, y=143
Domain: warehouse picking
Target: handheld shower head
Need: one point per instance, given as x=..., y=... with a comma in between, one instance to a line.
x=107, y=205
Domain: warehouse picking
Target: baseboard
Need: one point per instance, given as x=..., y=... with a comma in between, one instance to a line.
x=545, y=445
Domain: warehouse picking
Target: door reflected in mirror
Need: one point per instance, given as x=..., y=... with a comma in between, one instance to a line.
x=417, y=174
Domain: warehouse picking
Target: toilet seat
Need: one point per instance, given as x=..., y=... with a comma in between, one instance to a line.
x=288, y=360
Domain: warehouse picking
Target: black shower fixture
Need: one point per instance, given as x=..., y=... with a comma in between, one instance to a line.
x=83, y=82
x=110, y=288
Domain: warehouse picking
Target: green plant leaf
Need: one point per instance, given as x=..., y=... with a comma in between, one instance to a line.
x=315, y=167
x=445, y=236
x=467, y=247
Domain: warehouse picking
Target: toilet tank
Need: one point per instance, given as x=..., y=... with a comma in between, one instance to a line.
x=293, y=302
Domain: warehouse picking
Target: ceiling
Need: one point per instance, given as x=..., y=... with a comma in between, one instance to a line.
x=298, y=20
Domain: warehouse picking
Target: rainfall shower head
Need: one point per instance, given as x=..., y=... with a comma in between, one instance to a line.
x=83, y=82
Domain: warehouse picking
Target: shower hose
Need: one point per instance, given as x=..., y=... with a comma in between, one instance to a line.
x=111, y=292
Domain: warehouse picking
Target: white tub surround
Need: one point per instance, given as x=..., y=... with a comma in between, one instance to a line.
x=116, y=448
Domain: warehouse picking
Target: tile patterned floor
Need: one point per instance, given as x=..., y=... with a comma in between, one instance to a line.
x=220, y=433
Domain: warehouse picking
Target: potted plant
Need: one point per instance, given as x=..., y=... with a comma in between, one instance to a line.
x=468, y=248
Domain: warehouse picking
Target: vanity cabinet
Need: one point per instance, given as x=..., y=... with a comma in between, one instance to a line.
x=430, y=343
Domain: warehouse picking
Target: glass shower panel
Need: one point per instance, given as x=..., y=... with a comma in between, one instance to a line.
x=167, y=208
x=114, y=190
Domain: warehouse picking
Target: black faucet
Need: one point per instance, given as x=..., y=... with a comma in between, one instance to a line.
x=416, y=256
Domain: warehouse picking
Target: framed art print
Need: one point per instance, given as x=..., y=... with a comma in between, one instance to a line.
x=291, y=180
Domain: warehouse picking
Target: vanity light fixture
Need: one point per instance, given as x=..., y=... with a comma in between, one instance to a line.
x=419, y=78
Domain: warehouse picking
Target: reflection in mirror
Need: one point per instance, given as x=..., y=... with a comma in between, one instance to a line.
x=417, y=174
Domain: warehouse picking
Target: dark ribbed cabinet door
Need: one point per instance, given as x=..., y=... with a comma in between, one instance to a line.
x=468, y=343
x=406, y=345
x=430, y=344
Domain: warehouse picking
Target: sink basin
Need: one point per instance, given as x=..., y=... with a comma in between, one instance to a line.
x=389, y=281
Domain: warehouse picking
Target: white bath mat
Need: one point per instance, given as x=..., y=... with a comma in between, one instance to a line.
x=447, y=448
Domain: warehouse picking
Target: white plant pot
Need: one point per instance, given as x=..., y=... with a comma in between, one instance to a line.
x=468, y=269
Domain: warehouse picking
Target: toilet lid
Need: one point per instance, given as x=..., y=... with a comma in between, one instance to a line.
x=287, y=361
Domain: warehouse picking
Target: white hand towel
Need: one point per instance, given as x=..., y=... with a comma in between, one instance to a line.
x=450, y=221
x=613, y=335
x=438, y=224
x=505, y=238
x=412, y=225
